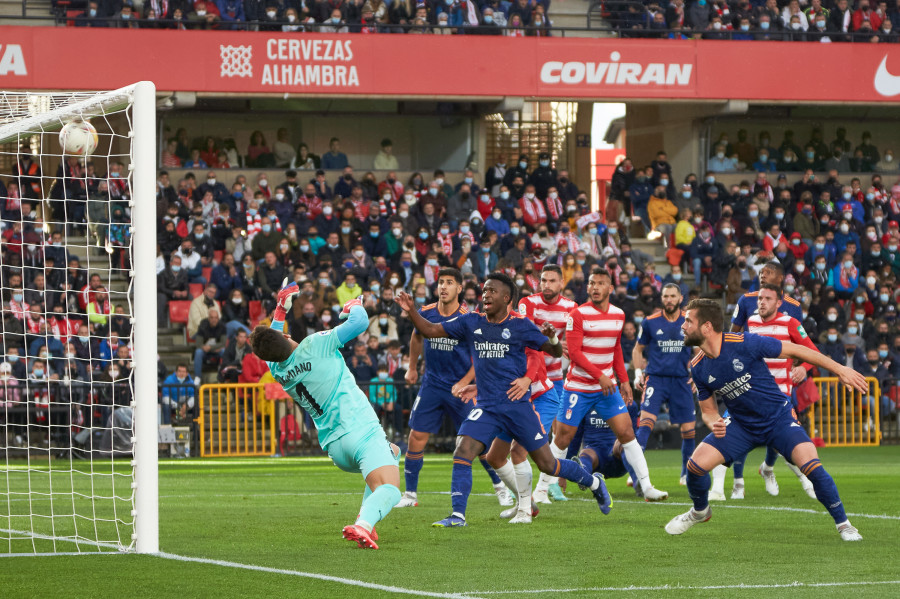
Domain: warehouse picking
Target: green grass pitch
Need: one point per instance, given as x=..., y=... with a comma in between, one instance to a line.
x=285, y=516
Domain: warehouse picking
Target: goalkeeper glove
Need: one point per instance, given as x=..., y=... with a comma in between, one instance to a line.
x=285, y=299
x=345, y=313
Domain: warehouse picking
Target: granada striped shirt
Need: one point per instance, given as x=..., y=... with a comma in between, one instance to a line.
x=783, y=328
x=537, y=372
x=594, y=341
x=539, y=311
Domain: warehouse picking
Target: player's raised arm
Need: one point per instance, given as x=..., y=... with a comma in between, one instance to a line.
x=356, y=321
x=430, y=330
x=847, y=375
x=552, y=345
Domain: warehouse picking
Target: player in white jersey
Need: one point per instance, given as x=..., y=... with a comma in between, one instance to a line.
x=549, y=306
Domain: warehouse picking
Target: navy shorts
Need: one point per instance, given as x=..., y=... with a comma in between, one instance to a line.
x=575, y=405
x=546, y=406
x=430, y=406
x=608, y=465
x=516, y=420
x=784, y=435
x=673, y=390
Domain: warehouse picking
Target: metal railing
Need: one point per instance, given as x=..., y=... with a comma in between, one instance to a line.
x=844, y=417
x=253, y=419
x=610, y=18
x=236, y=419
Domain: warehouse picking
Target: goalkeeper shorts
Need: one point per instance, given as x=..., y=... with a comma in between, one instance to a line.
x=363, y=451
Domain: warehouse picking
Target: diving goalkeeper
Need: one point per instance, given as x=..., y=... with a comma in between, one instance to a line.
x=315, y=375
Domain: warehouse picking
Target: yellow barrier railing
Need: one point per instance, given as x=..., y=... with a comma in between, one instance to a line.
x=236, y=420
x=844, y=417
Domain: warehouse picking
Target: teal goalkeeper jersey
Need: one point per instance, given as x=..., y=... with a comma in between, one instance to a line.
x=317, y=378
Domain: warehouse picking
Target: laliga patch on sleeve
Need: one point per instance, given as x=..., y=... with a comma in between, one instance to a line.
x=523, y=310
x=570, y=324
x=737, y=308
x=802, y=331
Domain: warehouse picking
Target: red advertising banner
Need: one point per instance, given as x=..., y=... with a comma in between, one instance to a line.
x=391, y=65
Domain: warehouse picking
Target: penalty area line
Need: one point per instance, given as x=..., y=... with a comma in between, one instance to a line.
x=675, y=587
x=316, y=576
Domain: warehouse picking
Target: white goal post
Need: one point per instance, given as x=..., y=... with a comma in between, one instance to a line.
x=128, y=521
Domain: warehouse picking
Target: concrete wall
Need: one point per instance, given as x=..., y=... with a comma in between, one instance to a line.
x=419, y=142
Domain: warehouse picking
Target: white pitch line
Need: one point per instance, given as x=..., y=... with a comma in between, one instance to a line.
x=674, y=587
x=227, y=564
x=325, y=577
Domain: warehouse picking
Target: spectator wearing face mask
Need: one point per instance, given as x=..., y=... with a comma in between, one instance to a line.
x=844, y=277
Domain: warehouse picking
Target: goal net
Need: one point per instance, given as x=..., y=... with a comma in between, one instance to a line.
x=78, y=405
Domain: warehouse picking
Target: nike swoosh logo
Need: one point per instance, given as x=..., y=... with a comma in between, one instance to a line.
x=885, y=83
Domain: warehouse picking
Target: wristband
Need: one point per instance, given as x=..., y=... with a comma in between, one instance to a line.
x=638, y=374
x=554, y=340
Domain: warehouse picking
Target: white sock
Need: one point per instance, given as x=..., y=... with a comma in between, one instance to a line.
x=507, y=474
x=595, y=483
x=739, y=481
x=364, y=524
x=718, y=479
x=635, y=456
x=523, y=485
x=560, y=454
x=795, y=470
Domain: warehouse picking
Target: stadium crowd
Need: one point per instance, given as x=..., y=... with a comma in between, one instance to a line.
x=225, y=244
x=489, y=17
x=746, y=20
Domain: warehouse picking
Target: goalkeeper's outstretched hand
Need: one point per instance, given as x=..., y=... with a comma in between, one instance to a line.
x=345, y=312
x=287, y=294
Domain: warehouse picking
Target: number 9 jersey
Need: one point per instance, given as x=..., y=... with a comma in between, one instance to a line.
x=318, y=380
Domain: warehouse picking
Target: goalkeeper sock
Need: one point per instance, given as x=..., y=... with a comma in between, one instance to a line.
x=494, y=478
x=411, y=468
x=377, y=505
x=826, y=490
x=460, y=484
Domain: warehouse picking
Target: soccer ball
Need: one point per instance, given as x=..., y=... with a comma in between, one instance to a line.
x=78, y=138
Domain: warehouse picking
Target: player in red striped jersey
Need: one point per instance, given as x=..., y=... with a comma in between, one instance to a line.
x=594, y=331
x=769, y=322
x=549, y=306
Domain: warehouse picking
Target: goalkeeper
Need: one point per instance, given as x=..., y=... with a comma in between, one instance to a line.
x=315, y=375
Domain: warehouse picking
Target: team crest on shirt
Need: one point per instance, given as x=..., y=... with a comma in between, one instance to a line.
x=738, y=365
x=505, y=334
